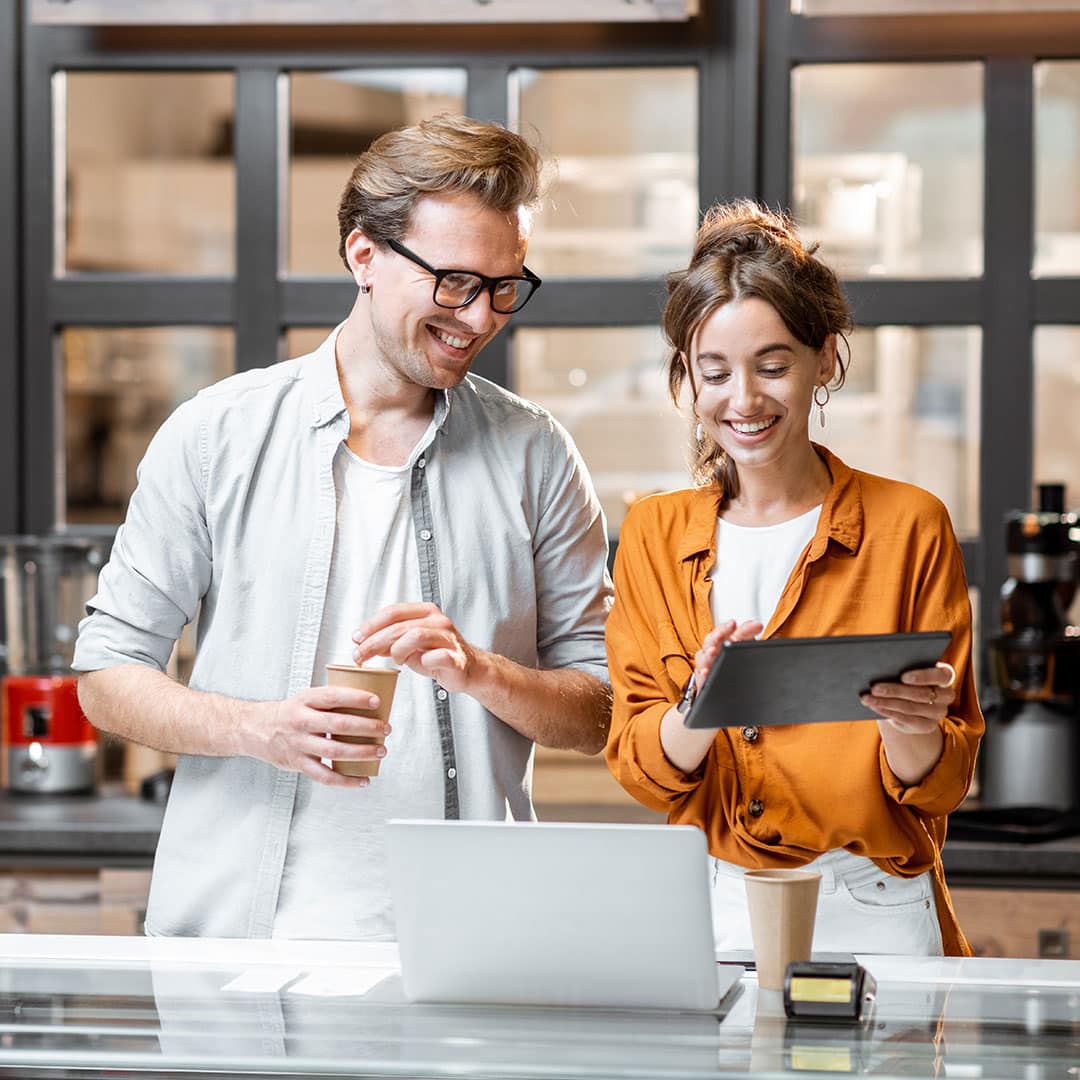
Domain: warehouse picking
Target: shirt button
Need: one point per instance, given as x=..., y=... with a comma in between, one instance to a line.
x=441, y=694
x=451, y=772
x=757, y=808
x=425, y=534
x=421, y=463
x=750, y=734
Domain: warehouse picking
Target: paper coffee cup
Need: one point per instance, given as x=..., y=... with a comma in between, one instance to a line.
x=783, y=906
x=380, y=681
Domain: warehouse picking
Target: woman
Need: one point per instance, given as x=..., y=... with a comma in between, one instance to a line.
x=780, y=537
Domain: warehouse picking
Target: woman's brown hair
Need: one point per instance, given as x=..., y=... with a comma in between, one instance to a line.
x=443, y=155
x=745, y=250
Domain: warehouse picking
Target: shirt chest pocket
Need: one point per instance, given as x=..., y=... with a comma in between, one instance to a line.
x=676, y=658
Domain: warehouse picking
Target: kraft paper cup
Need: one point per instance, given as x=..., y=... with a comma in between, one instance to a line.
x=783, y=906
x=380, y=681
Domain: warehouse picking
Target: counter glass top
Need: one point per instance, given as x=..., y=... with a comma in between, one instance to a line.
x=78, y=1006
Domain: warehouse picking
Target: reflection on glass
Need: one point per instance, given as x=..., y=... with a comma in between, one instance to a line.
x=1057, y=405
x=334, y=117
x=1057, y=167
x=928, y=7
x=608, y=387
x=910, y=410
x=119, y=386
x=624, y=197
x=301, y=340
x=888, y=166
x=150, y=179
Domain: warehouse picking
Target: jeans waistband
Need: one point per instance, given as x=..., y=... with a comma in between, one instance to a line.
x=836, y=866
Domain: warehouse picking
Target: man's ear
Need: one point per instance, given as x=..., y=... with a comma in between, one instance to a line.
x=359, y=252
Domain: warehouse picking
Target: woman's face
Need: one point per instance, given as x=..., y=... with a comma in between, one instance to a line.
x=755, y=383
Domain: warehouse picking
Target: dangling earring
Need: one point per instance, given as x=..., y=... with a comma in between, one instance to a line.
x=699, y=432
x=821, y=404
x=365, y=288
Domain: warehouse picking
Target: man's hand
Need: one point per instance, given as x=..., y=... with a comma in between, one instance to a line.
x=291, y=734
x=422, y=638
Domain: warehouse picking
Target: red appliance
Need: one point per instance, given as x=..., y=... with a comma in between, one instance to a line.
x=51, y=746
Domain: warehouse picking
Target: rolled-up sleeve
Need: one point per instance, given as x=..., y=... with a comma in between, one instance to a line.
x=573, y=588
x=642, y=686
x=160, y=564
x=942, y=603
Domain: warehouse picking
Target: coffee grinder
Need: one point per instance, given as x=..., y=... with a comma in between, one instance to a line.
x=50, y=746
x=1030, y=755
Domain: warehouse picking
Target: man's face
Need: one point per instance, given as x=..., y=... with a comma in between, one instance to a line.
x=420, y=341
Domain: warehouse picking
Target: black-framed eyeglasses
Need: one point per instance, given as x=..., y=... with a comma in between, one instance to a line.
x=456, y=288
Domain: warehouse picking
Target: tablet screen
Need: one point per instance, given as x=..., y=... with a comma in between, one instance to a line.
x=807, y=680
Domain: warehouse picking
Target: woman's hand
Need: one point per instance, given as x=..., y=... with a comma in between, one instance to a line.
x=714, y=642
x=918, y=703
x=911, y=713
x=686, y=747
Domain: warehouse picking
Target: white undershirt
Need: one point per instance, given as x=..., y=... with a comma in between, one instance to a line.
x=334, y=880
x=753, y=565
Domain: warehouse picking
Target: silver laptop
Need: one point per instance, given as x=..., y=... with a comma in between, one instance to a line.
x=555, y=914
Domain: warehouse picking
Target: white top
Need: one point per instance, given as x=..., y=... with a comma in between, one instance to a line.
x=334, y=879
x=753, y=565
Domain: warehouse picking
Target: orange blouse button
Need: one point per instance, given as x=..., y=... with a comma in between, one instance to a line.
x=757, y=808
x=750, y=734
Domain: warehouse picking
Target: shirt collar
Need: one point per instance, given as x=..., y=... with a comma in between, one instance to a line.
x=841, y=513
x=327, y=402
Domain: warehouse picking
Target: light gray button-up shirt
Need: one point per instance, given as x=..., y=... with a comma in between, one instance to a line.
x=235, y=508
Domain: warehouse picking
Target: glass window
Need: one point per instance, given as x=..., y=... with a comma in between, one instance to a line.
x=149, y=174
x=334, y=116
x=300, y=340
x=910, y=410
x=1057, y=167
x=1057, y=405
x=888, y=166
x=608, y=387
x=119, y=385
x=623, y=201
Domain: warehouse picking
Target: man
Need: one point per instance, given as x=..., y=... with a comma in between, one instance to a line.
x=369, y=500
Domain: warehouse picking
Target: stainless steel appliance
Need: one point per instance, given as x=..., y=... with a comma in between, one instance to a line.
x=1031, y=752
x=50, y=746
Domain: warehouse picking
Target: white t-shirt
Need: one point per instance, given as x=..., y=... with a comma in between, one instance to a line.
x=753, y=565
x=334, y=881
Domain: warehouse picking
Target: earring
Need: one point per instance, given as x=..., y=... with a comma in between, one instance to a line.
x=821, y=404
x=365, y=288
x=699, y=432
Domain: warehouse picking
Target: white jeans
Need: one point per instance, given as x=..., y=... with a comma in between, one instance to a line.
x=861, y=909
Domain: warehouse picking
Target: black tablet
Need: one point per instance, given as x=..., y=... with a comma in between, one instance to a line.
x=806, y=680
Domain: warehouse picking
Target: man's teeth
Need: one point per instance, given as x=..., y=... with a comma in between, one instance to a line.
x=754, y=428
x=456, y=342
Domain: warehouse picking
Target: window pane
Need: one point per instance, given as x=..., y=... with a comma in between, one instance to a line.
x=334, y=117
x=1057, y=405
x=910, y=410
x=119, y=386
x=624, y=196
x=608, y=387
x=301, y=340
x=1057, y=167
x=888, y=166
x=150, y=179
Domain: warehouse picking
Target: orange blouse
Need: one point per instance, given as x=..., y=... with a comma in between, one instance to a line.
x=884, y=559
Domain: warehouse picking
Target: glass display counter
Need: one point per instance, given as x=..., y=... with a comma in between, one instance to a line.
x=95, y=1007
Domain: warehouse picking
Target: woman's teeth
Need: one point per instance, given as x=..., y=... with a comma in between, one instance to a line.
x=754, y=428
x=456, y=342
